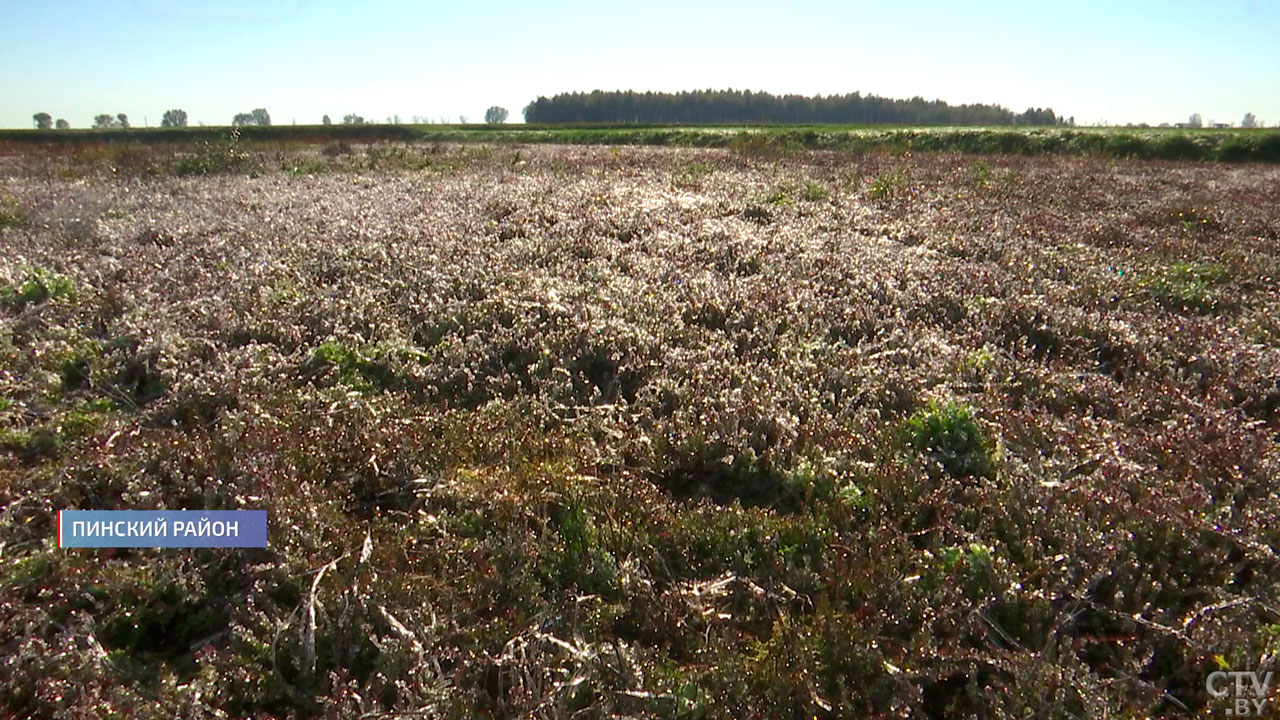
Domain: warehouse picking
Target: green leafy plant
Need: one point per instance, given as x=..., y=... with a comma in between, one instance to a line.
x=949, y=436
x=32, y=445
x=1188, y=287
x=887, y=184
x=782, y=195
x=981, y=173
x=371, y=368
x=221, y=154
x=36, y=286
x=10, y=214
x=788, y=194
x=696, y=468
x=975, y=554
x=814, y=191
x=693, y=174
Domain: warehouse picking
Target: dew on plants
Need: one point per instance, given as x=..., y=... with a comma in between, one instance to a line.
x=749, y=431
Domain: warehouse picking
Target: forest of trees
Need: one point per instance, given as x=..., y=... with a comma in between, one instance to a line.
x=745, y=106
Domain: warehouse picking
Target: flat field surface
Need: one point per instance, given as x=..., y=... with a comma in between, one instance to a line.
x=583, y=431
x=1226, y=144
x=1254, y=145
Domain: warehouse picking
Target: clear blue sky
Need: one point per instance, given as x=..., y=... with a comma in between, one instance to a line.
x=1094, y=59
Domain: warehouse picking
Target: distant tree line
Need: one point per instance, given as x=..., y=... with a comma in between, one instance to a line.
x=44, y=121
x=105, y=121
x=745, y=106
x=699, y=106
x=258, y=116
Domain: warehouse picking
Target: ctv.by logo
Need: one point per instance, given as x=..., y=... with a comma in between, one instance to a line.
x=1247, y=689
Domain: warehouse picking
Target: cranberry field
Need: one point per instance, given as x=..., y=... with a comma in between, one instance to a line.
x=550, y=431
